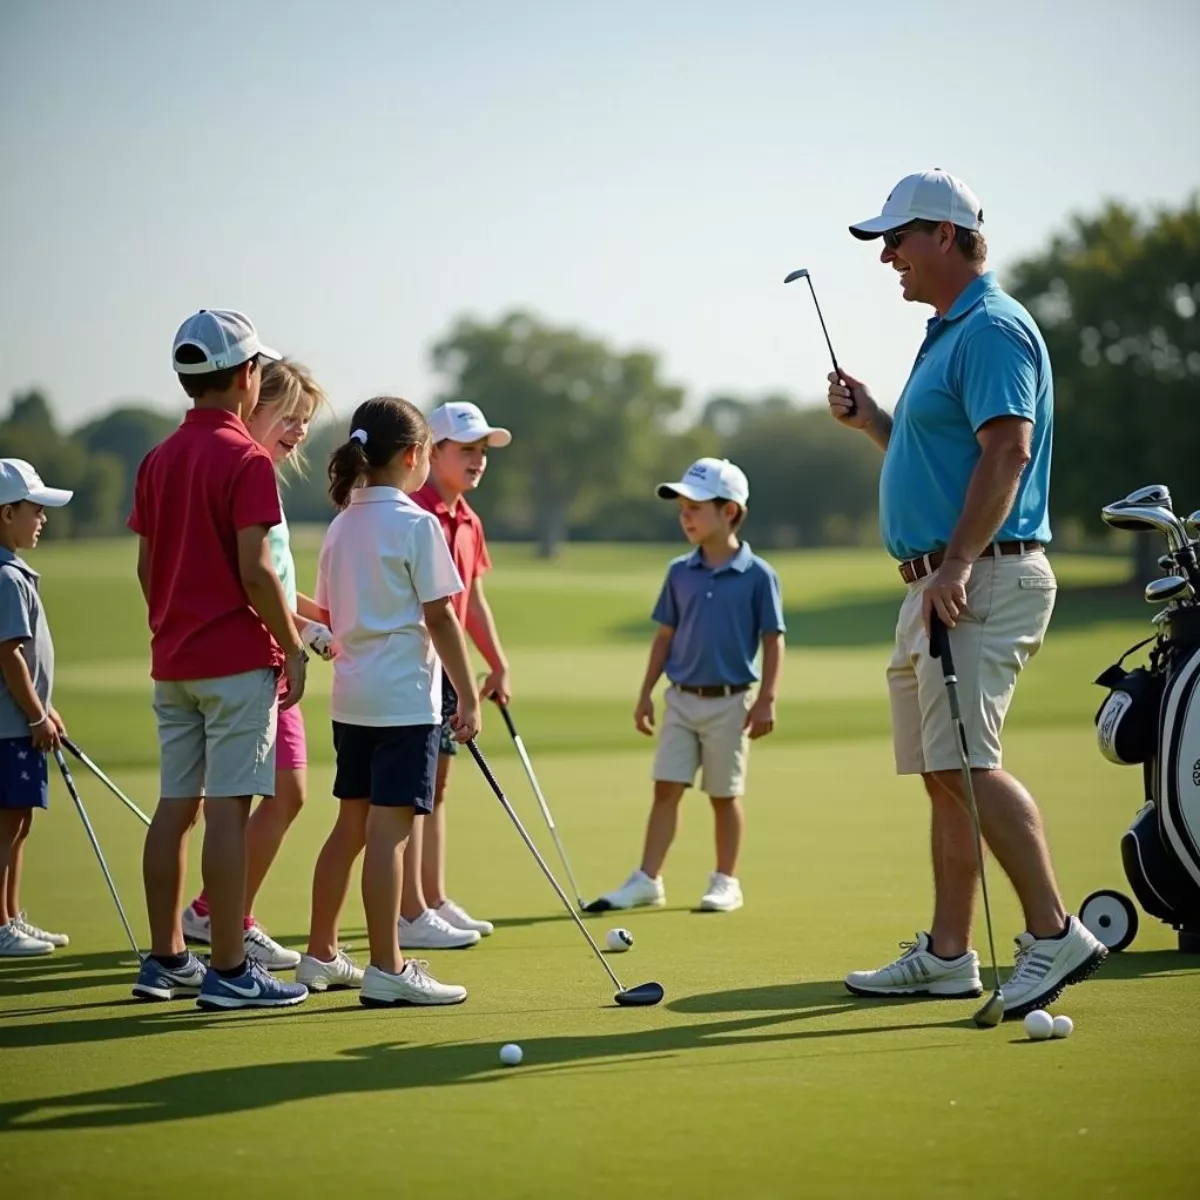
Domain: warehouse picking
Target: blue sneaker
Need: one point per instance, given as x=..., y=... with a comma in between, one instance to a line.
x=156, y=982
x=255, y=987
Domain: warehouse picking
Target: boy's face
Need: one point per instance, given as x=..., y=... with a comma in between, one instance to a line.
x=459, y=466
x=702, y=520
x=277, y=432
x=23, y=523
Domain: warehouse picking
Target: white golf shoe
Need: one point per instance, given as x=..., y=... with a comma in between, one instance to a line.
x=919, y=972
x=16, y=943
x=723, y=894
x=456, y=915
x=1043, y=967
x=196, y=928
x=267, y=952
x=413, y=986
x=431, y=932
x=319, y=976
x=638, y=891
x=40, y=935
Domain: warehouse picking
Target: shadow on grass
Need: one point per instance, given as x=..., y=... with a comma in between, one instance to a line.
x=869, y=619
x=65, y=972
x=392, y=1066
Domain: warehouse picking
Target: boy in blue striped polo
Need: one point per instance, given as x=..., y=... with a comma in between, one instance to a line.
x=717, y=605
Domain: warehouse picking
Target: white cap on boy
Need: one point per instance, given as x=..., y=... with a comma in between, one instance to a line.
x=19, y=481
x=926, y=196
x=709, y=479
x=459, y=421
x=224, y=337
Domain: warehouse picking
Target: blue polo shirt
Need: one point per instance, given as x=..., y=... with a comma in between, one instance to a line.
x=23, y=619
x=984, y=359
x=718, y=617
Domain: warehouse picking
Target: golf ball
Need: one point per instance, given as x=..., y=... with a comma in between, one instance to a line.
x=511, y=1054
x=1039, y=1024
x=1063, y=1026
x=619, y=940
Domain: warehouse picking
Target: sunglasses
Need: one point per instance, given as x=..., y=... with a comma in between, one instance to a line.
x=894, y=237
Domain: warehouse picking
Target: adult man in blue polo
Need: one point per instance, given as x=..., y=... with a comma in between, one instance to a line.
x=963, y=509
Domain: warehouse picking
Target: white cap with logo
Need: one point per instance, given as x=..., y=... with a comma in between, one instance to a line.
x=926, y=196
x=459, y=421
x=224, y=338
x=19, y=481
x=709, y=479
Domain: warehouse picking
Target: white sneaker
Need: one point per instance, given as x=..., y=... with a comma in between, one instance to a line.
x=16, y=943
x=39, y=935
x=457, y=916
x=414, y=985
x=195, y=927
x=430, y=932
x=318, y=975
x=638, y=891
x=267, y=952
x=724, y=894
x=1043, y=967
x=919, y=972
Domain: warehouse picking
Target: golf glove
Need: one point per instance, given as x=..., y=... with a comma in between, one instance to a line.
x=318, y=638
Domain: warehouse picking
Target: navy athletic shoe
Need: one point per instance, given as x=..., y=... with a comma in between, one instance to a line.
x=255, y=987
x=156, y=982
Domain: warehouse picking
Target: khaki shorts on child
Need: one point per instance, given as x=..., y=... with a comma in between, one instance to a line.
x=706, y=734
x=217, y=736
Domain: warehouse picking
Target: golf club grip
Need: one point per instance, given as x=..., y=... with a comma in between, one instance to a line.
x=939, y=642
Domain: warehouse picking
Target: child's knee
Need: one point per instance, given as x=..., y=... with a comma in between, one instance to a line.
x=668, y=792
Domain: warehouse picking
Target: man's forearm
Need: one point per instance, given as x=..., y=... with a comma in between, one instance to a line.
x=989, y=500
x=880, y=429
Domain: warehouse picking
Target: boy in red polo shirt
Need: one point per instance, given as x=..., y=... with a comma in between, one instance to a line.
x=429, y=919
x=204, y=501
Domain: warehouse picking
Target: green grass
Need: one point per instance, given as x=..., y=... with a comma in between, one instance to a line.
x=758, y=1076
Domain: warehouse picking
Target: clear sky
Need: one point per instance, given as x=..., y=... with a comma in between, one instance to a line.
x=355, y=174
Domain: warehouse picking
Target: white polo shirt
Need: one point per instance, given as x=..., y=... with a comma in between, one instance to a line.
x=382, y=559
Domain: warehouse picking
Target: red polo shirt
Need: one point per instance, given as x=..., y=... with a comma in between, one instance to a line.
x=194, y=491
x=464, y=536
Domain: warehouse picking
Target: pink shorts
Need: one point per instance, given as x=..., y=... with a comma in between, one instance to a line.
x=291, y=745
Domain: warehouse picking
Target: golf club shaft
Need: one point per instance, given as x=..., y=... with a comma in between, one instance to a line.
x=87, y=825
x=537, y=791
x=477, y=754
x=104, y=779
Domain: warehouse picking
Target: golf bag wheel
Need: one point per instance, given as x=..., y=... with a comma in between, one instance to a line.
x=1110, y=917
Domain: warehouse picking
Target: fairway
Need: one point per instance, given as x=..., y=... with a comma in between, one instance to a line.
x=758, y=1076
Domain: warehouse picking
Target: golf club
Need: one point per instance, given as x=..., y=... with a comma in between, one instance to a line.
x=1157, y=495
x=112, y=887
x=104, y=779
x=1192, y=524
x=537, y=791
x=644, y=994
x=992, y=1012
x=1146, y=518
x=1169, y=587
x=802, y=273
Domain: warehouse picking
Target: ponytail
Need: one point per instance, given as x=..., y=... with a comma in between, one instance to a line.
x=379, y=430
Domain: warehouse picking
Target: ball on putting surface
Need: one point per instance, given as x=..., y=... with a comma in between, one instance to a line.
x=619, y=940
x=1039, y=1024
x=1063, y=1026
x=511, y=1054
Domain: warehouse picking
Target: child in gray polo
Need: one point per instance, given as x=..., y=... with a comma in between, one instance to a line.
x=29, y=726
x=717, y=606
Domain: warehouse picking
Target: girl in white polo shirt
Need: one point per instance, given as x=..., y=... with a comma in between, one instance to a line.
x=384, y=581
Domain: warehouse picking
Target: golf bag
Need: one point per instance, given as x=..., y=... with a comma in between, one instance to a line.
x=1151, y=718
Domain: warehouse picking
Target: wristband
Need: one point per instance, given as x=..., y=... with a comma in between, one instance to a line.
x=35, y=724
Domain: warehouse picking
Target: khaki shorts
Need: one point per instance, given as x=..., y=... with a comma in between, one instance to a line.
x=706, y=734
x=1009, y=603
x=217, y=736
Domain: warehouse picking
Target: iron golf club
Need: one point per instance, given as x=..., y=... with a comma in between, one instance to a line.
x=104, y=779
x=992, y=1012
x=1169, y=587
x=112, y=887
x=537, y=791
x=802, y=273
x=645, y=994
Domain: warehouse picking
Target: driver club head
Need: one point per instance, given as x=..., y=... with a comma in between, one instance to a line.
x=799, y=273
x=643, y=996
x=1169, y=587
x=1156, y=495
x=992, y=1013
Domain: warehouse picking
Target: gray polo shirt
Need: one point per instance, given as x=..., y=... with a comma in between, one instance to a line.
x=22, y=617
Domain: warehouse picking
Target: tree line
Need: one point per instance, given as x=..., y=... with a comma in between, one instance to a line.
x=1116, y=292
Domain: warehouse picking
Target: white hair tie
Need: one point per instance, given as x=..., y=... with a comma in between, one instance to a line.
x=359, y=435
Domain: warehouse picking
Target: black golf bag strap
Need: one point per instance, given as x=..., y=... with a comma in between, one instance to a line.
x=1113, y=675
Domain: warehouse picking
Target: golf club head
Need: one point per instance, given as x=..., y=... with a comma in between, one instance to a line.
x=992, y=1013
x=799, y=273
x=1146, y=519
x=643, y=996
x=1191, y=524
x=1155, y=494
x=1169, y=587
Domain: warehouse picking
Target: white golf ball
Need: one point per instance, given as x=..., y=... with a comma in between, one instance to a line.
x=511, y=1054
x=619, y=940
x=1039, y=1024
x=1063, y=1026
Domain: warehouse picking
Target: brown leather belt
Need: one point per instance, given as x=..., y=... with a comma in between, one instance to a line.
x=918, y=568
x=721, y=689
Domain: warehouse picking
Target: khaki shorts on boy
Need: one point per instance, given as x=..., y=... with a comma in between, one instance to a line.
x=705, y=734
x=217, y=736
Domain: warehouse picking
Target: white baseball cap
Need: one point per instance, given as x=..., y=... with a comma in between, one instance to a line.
x=19, y=481
x=927, y=196
x=709, y=479
x=459, y=421
x=224, y=337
